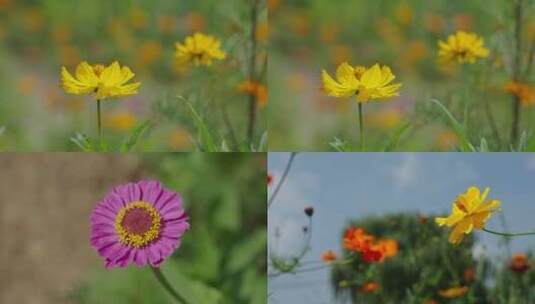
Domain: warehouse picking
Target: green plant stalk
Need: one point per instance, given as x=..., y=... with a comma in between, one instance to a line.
x=515, y=128
x=167, y=286
x=252, y=72
x=99, y=123
x=283, y=178
x=361, y=127
x=506, y=234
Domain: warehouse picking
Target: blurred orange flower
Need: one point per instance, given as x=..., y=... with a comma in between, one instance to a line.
x=194, y=22
x=356, y=239
x=340, y=53
x=121, y=120
x=524, y=92
x=469, y=274
x=519, y=263
x=434, y=23
x=262, y=32
x=328, y=256
x=179, y=139
x=369, y=287
x=166, y=24
x=149, y=52
x=138, y=18
x=463, y=21
x=447, y=140
x=453, y=292
x=329, y=32
x=404, y=14
x=256, y=89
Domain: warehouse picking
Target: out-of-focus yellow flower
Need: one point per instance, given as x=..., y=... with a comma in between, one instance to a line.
x=469, y=211
x=256, y=89
x=462, y=47
x=453, y=292
x=179, y=139
x=463, y=21
x=194, y=22
x=199, y=49
x=524, y=92
x=138, y=18
x=364, y=83
x=120, y=120
x=104, y=82
x=149, y=52
x=262, y=32
x=446, y=140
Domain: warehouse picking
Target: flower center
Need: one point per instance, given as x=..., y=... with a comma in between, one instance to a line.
x=137, y=224
x=98, y=68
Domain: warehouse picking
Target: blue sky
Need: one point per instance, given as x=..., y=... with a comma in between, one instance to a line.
x=345, y=186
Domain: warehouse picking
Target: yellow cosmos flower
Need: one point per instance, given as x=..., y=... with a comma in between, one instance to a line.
x=199, y=49
x=364, y=83
x=469, y=211
x=104, y=82
x=462, y=47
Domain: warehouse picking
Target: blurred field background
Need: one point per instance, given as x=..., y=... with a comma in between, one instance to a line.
x=311, y=35
x=398, y=198
x=37, y=37
x=44, y=226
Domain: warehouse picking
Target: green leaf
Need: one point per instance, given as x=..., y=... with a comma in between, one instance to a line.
x=457, y=127
x=246, y=252
x=398, y=133
x=135, y=135
x=340, y=145
x=206, y=138
x=227, y=213
x=192, y=290
x=83, y=142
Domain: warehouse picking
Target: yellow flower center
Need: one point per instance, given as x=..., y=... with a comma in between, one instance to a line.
x=98, y=68
x=359, y=70
x=137, y=224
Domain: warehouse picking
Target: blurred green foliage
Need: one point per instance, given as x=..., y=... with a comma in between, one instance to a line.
x=37, y=37
x=425, y=264
x=223, y=257
x=309, y=36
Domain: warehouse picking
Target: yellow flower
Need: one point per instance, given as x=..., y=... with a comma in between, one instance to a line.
x=199, y=49
x=462, y=47
x=469, y=211
x=365, y=83
x=104, y=82
x=453, y=292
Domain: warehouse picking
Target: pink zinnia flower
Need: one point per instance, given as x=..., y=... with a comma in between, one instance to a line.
x=139, y=223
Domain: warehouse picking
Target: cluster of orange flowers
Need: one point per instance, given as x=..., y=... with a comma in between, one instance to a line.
x=371, y=250
x=524, y=92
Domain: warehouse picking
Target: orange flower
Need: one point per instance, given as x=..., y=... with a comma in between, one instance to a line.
x=269, y=178
x=255, y=89
x=369, y=287
x=453, y=292
x=524, y=92
x=519, y=263
x=356, y=239
x=328, y=256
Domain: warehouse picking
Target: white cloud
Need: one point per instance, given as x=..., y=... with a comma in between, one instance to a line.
x=407, y=171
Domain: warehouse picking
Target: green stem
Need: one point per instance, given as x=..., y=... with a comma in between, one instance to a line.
x=99, y=123
x=509, y=234
x=361, y=128
x=165, y=284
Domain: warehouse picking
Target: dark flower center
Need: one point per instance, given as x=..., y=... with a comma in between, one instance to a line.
x=137, y=221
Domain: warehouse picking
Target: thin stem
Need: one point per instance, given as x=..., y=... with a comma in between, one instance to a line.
x=517, y=69
x=165, y=284
x=283, y=178
x=252, y=72
x=361, y=127
x=509, y=234
x=99, y=123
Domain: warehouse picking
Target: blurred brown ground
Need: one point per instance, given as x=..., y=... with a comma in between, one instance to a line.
x=45, y=202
